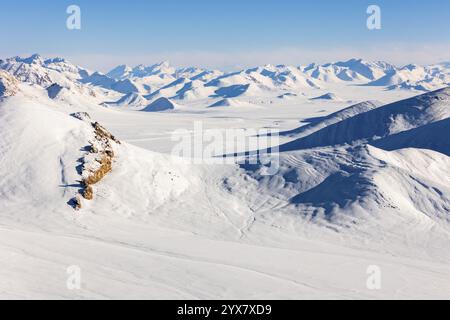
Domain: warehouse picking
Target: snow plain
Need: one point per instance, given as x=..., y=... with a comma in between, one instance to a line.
x=161, y=227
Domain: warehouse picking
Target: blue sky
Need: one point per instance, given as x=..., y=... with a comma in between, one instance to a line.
x=226, y=34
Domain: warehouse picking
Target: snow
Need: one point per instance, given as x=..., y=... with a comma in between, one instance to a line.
x=54, y=90
x=327, y=96
x=432, y=136
x=361, y=182
x=316, y=124
x=380, y=122
x=161, y=104
x=228, y=102
x=130, y=100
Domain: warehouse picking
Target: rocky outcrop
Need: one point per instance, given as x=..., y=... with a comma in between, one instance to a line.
x=97, y=172
x=97, y=162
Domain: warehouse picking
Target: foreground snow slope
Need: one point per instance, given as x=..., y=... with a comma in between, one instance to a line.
x=160, y=227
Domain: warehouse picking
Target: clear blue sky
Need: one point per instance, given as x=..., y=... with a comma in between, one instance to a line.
x=226, y=33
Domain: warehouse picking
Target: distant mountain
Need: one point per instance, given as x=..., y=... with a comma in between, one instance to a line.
x=411, y=73
x=189, y=84
x=369, y=70
x=328, y=96
x=54, y=90
x=413, y=77
x=120, y=72
x=8, y=84
x=43, y=72
x=229, y=103
x=433, y=136
x=160, y=105
x=130, y=100
x=103, y=81
x=347, y=71
x=163, y=69
x=193, y=90
x=319, y=123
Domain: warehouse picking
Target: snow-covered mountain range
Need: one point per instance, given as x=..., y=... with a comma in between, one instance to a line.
x=362, y=179
x=190, y=85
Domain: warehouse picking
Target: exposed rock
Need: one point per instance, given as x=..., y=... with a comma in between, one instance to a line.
x=327, y=96
x=93, y=149
x=97, y=174
x=159, y=105
x=88, y=193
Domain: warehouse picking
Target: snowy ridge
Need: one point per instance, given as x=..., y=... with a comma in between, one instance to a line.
x=319, y=123
x=380, y=122
x=194, y=84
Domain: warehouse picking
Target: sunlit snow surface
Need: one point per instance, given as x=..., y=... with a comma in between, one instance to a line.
x=162, y=227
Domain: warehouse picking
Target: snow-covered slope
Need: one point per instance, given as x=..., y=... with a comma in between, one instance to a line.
x=44, y=72
x=353, y=70
x=320, y=123
x=159, y=105
x=380, y=122
x=41, y=147
x=123, y=86
x=433, y=136
x=191, y=84
x=229, y=102
x=328, y=96
x=130, y=100
x=412, y=77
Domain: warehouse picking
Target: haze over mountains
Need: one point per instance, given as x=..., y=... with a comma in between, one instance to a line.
x=362, y=178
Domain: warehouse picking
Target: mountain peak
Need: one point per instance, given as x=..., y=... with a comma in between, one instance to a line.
x=355, y=60
x=165, y=63
x=119, y=72
x=55, y=60
x=34, y=58
x=410, y=67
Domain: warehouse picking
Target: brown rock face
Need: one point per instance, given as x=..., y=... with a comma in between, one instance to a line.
x=97, y=175
x=102, y=133
x=98, y=160
x=88, y=193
